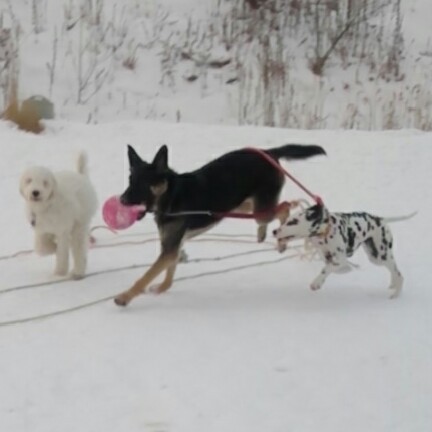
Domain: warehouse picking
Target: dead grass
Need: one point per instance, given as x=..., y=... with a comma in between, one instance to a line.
x=25, y=117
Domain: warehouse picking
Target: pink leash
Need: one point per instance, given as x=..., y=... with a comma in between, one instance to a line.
x=282, y=205
x=269, y=159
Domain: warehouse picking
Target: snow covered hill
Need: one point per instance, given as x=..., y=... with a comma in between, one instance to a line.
x=212, y=61
x=247, y=349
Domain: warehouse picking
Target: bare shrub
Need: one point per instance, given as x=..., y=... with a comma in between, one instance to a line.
x=25, y=117
x=265, y=38
x=131, y=60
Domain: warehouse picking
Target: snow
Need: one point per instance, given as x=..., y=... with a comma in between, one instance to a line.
x=157, y=34
x=246, y=350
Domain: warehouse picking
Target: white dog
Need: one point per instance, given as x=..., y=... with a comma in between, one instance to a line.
x=60, y=207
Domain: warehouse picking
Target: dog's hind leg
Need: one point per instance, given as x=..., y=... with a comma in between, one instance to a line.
x=379, y=250
x=62, y=255
x=79, y=251
x=396, y=277
x=267, y=207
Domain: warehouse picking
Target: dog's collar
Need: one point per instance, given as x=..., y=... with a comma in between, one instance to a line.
x=323, y=234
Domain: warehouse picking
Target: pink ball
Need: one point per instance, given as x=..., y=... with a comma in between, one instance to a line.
x=118, y=216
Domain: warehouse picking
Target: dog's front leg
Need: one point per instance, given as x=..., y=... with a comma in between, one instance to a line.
x=165, y=261
x=335, y=262
x=167, y=282
x=328, y=269
x=79, y=251
x=62, y=255
x=320, y=279
x=44, y=244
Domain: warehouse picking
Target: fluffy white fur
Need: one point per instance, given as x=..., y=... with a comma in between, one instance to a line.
x=60, y=207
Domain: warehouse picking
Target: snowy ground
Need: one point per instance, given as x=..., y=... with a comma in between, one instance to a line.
x=250, y=350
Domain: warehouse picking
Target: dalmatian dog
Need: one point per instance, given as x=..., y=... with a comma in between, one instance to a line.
x=338, y=235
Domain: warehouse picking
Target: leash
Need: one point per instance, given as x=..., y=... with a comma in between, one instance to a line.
x=281, y=169
x=215, y=237
x=284, y=205
x=105, y=299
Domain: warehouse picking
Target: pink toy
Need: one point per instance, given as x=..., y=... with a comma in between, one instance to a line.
x=118, y=216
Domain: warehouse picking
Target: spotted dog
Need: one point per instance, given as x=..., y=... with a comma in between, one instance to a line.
x=338, y=235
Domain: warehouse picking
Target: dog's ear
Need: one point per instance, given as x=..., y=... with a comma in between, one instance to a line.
x=21, y=186
x=315, y=212
x=160, y=161
x=134, y=159
x=53, y=182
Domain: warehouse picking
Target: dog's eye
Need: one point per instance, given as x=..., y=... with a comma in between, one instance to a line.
x=28, y=181
x=45, y=183
x=292, y=222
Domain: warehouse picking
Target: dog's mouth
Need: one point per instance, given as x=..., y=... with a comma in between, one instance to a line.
x=141, y=214
x=35, y=199
x=142, y=211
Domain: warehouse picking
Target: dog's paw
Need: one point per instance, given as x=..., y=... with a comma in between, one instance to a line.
x=395, y=292
x=76, y=275
x=158, y=288
x=315, y=286
x=261, y=233
x=122, y=299
x=60, y=272
x=183, y=258
x=281, y=247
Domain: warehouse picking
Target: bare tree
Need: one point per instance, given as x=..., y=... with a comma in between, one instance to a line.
x=318, y=64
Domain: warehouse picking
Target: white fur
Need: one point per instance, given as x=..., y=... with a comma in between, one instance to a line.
x=61, y=213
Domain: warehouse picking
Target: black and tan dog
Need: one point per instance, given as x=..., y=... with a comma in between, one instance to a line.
x=236, y=180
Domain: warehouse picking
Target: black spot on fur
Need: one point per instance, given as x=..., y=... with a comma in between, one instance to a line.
x=314, y=213
x=328, y=257
x=383, y=234
x=351, y=238
x=372, y=247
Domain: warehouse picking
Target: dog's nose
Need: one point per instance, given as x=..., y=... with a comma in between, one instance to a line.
x=35, y=193
x=275, y=231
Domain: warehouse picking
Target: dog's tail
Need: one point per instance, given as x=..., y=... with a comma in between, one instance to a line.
x=82, y=163
x=399, y=218
x=295, y=151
